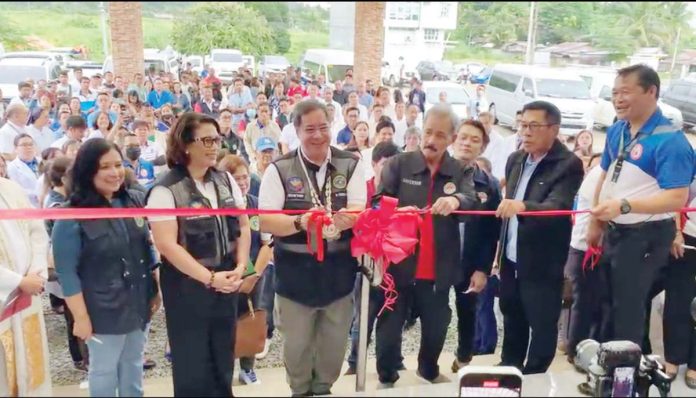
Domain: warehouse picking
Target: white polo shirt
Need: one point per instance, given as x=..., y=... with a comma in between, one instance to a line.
x=272, y=193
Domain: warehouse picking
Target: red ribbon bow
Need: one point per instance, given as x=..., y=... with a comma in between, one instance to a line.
x=317, y=221
x=592, y=257
x=388, y=237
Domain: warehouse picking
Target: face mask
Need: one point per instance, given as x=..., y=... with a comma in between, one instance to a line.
x=251, y=113
x=133, y=153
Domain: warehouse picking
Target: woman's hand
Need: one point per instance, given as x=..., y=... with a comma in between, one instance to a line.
x=32, y=284
x=678, y=246
x=155, y=304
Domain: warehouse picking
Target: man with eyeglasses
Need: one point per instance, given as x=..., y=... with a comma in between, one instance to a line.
x=230, y=140
x=543, y=175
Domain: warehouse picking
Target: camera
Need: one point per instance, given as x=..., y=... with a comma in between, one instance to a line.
x=619, y=369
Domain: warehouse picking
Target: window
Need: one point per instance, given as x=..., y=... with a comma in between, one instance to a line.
x=556, y=88
x=680, y=89
x=527, y=87
x=312, y=67
x=431, y=34
x=404, y=11
x=605, y=93
x=444, y=10
x=504, y=81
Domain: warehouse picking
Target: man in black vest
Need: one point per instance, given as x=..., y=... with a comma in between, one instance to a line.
x=314, y=300
x=429, y=177
x=543, y=175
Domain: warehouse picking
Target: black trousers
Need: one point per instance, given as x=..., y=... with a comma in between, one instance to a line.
x=635, y=253
x=435, y=316
x=526, y=304
x=202, y=352
x=589, y=288
x=466, y=320
x=680, y=289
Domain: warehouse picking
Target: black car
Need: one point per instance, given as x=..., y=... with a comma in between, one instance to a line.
x=681, y=94
x=430, y=71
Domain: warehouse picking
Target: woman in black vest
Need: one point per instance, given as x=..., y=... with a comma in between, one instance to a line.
x=203, y=257
x=105, y=268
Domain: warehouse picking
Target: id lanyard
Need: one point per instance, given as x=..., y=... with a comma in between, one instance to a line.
x=622, y=154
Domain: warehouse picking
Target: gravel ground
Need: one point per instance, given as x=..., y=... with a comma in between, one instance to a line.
x=63, y=372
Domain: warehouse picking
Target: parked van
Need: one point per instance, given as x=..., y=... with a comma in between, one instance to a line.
x=512, y=86
x=600, y=81
x=226, y=63
x=15, y=68
x=333, y=64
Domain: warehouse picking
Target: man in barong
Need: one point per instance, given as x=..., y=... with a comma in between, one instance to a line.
x=23, y=272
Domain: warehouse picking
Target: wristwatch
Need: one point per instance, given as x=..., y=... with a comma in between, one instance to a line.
x=298, y=223
x=625, y=206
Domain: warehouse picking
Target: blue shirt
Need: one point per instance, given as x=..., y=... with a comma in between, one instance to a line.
x=660, y=158
x=366, y=100
x=527, y=171
x=144, y=173
x=344, y=136
x=67, y=247
x=239, y=100
x=158, y=100
x=32, y=164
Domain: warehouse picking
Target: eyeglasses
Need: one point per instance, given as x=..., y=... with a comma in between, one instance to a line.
x=534, y=127
x=208, y=142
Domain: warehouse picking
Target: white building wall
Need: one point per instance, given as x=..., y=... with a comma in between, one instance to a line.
x=342, y=25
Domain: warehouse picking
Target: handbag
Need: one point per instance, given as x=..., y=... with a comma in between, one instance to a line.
x=251, y=332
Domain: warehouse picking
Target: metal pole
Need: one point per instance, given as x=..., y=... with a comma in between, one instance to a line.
x=529, y=56
x=105, y=42
x=361, y=366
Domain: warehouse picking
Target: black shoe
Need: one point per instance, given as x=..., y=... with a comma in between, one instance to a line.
x=401, y=366
x=149, y=364
x=350, y=371
x=80, y=365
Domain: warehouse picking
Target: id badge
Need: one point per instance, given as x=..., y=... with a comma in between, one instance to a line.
x=623, y=382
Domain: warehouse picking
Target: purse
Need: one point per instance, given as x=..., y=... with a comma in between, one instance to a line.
x=251, y=332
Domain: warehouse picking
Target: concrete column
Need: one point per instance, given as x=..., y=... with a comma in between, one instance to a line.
x=369, y=41
x=126, y=26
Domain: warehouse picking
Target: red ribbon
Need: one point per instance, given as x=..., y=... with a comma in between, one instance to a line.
x=388, y=237
x=317, y=221
x=592, y=256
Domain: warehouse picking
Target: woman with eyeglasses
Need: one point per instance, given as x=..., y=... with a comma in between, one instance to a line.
x=204, y=258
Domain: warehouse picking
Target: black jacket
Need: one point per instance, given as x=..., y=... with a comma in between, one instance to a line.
x=407, y=177
x=542, y=242
x=481, y=232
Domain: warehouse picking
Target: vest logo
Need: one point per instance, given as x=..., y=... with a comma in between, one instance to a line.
x=254, y=223
x=295, y=184
x=143, y=173
x=196, y=204
x=412, y=182
x=139, y=222
x=483, y=197
x=637, y=152
x=339, y=181
x=449, y=188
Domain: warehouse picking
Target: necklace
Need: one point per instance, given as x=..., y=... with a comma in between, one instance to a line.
x=330, y=231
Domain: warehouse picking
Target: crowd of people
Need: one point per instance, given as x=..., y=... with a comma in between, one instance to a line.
x=289, y=141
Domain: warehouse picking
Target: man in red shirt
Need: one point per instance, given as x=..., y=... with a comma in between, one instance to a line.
x=428, y=178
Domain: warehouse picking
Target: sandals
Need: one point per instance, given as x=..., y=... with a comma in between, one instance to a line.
x=690, y=381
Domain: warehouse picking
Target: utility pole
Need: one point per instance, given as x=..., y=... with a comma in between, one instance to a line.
x=105, y=41
x=531, y=34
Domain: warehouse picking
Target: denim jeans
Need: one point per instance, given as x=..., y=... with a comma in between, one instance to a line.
x=267, y=296
x=116, y=364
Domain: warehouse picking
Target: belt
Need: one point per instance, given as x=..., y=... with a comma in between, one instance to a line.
x=301, y=248
x=640, y=225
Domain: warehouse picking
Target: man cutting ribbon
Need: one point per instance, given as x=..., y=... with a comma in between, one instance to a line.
x=313, y=298
x=431, y=178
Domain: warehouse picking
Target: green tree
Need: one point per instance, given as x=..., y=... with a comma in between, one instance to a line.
x=277, y=15
x=222, y=25
x=10, y=36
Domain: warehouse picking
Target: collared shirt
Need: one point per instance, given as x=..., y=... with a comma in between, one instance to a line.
x=157, y=100
x=660, y=159
x=32, y=164
x=92, y=117
x=366, y=100
x=239, y=100
x=289, y=137
x=43, y=138
x=497, y=154
x=344, y=136
x=8, y=132
x=144, y=172
x=529, y=167
x=272, y=193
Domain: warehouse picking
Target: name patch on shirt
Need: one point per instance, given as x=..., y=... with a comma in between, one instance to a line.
x=412, y=182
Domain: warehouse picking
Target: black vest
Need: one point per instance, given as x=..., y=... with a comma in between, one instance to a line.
x=210, y=240
x=299, y=276
x=115, y=269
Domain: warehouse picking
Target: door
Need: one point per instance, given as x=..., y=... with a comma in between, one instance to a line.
x=689, y=105
x=604, y=111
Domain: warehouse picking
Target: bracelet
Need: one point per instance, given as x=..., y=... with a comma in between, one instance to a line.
x=209, y=285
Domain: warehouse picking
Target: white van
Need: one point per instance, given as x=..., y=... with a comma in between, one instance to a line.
x=160, y=61
x=512, y=86
x=226, y=63
x=600, y=81
x=14, y=68
x=333, y=64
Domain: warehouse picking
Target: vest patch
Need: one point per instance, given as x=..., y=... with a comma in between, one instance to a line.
x=254, y=223
x=196, y=204
x=637, y=152
x=411, y=182
x=339, y=181
x=295, y=184
x=449, y=188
